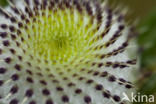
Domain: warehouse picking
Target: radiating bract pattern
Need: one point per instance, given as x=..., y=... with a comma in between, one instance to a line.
x=64, y=52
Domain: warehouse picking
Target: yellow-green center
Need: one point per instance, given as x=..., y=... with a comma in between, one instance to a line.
x=60, y=35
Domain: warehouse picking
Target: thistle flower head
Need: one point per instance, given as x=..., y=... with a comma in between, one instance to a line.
x=64, y=52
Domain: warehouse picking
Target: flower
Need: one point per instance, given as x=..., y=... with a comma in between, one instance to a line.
x=64, y=52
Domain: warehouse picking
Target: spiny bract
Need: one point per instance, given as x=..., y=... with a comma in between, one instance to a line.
x=64, y=52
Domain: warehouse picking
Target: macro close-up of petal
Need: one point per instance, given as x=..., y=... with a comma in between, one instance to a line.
x=65, y=52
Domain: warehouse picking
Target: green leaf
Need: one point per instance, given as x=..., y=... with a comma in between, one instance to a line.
x=147, y=40
x=3, y=3
x=149, y=87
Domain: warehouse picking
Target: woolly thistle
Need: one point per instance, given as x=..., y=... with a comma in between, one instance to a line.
x=64, y=52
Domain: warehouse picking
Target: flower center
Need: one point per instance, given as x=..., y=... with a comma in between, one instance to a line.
x=60, y=35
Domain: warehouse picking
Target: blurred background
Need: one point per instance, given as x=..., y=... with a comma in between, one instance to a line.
x=145, y=12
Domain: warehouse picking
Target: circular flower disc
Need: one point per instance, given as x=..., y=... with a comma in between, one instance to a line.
x=64, y=52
